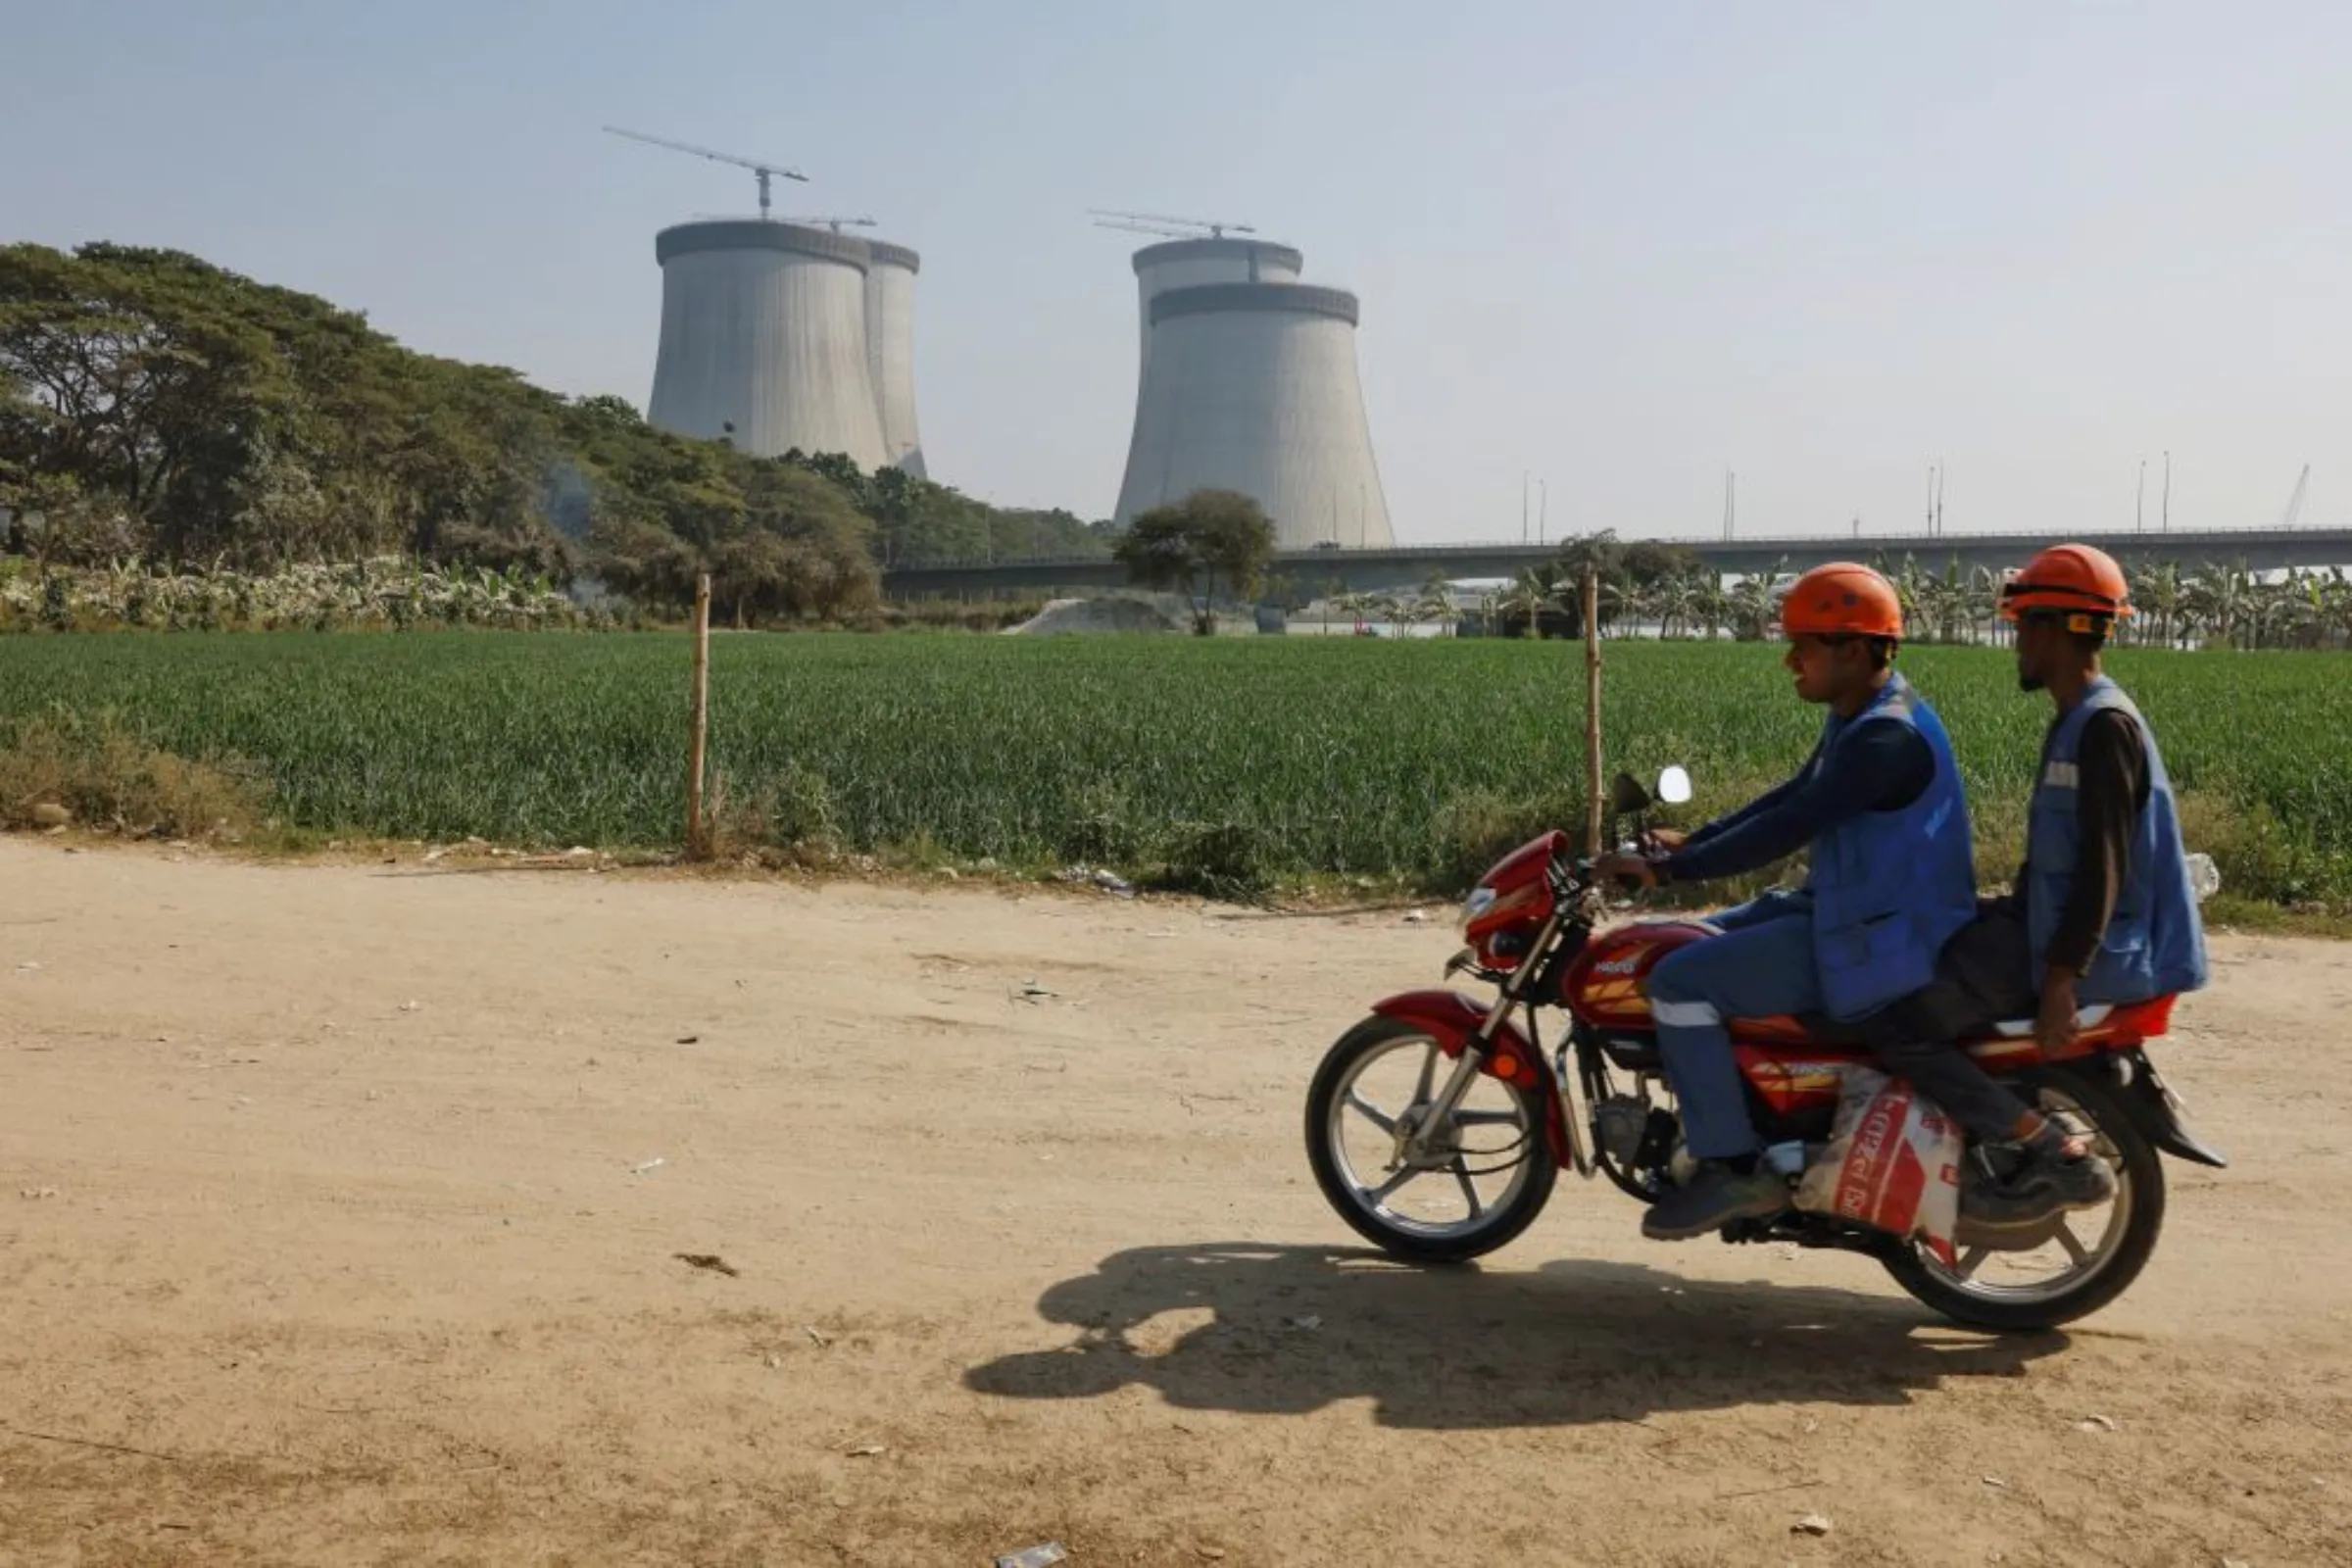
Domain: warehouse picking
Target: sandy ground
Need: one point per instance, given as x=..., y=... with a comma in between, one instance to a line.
x=329, y=1230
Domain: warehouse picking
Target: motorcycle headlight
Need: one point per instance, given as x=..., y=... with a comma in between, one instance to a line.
x=1479, y=901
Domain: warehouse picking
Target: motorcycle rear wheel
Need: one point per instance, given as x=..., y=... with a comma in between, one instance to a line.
x=1334, y=1101
x=2094, y=1274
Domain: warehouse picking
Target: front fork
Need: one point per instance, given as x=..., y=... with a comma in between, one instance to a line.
x=1412, y=1144
x=1412, y=1133
x=1579, y=1123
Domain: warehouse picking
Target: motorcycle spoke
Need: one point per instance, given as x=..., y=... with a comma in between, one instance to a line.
x=1371, y=1112
x=2074, y=1248
x=1380, y=1194
x=1461, y=1174
x=1972, y=1260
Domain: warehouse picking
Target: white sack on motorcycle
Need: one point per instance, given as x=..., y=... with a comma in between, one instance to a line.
x=1893, y=1163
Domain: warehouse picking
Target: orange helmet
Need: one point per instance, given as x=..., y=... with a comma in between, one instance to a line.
x=1842, y=598
x=2069, y=578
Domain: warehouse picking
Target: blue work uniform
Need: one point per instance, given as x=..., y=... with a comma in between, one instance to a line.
x=1892, y=876
x=2154, y=942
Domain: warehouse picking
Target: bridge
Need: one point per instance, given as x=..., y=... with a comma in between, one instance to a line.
x=1317, y=572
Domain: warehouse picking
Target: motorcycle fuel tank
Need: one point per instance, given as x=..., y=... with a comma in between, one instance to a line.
x=1608, y=983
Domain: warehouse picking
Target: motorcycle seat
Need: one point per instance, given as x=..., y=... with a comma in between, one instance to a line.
x=2129, y=1022
x=2086, y=1018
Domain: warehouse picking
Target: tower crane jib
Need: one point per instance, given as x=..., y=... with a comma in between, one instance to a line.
x=763, y=170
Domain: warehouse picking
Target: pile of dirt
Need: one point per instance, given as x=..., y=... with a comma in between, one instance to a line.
x=1106, y=612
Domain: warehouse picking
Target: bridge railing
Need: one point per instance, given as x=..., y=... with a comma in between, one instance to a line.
x=1915, y=544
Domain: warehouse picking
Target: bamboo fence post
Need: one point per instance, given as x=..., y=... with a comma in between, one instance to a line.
x=1594, y=816
x=697, y=831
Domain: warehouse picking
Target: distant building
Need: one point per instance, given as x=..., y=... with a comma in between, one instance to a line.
x=1248, y=382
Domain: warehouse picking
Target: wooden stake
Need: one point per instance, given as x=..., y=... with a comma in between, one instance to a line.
x=1595, y=820
x=698, y=840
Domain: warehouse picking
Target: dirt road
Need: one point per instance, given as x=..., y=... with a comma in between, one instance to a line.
x=341, y=1211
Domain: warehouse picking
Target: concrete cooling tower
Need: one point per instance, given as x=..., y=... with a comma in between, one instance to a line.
x=1252, y=386
x=1190, y=263
x=763, y=330
x=890, y=350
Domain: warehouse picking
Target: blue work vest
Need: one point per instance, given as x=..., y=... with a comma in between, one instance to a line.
x=2155, y=942
x=1889, y=887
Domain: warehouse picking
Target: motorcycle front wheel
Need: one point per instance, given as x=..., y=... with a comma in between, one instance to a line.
x=1474, y=1187
x=2067, y=1267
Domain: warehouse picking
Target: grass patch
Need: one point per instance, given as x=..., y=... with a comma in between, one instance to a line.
x=786, y=818
x=95, y=771
x=1231, y=765
x=1229, y=861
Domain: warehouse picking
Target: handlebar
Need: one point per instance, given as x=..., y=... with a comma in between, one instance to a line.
x=1575, y=872
x=1573, y=875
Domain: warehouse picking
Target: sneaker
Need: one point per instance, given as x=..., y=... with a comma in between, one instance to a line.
x=1716, y=1197
x=2017, y=1186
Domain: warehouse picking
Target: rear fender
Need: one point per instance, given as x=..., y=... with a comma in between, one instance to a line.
x=2160, y=1114
x=1453, y=1020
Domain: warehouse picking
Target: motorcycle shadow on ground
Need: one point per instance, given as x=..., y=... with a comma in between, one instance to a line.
x=1266, y=1328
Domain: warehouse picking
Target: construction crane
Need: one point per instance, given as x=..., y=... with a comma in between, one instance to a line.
x=836, y=224
x=1160, y=224
x=764, y=171
x=2295, y=502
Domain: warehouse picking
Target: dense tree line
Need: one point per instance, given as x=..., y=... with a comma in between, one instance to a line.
x=1666, y=590
x=158, y=410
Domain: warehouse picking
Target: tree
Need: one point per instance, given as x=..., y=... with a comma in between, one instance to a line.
x=1434, y=603
x=1647, y=564
x=645, y=560
x=1190, y=546
x=1543, y=599
x=1984, y=604
x=2220, y=600
x=1519, y=602
x=130, y=374
x=1285, y=591
x=1603, y=552
x=2157, y=591
x=1669, y=600
x=1332, y=589
x=1710, y=606
x=1755, y=603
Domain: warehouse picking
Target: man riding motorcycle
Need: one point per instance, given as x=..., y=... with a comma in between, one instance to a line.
x=1880, y=807
x=2102, y=912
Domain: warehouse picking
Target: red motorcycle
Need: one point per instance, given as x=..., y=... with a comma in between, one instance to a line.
x=1436, y=1127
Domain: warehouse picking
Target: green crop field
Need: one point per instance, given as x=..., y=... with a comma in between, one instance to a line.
x=1249, y=758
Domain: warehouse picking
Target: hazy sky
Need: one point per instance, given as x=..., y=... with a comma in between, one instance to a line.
x=1624, y=246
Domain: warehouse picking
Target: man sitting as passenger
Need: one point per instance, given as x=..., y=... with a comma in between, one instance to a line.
x=2103, y=910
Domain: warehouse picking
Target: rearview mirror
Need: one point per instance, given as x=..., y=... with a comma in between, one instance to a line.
x=1674, y=786
x=1626, y=797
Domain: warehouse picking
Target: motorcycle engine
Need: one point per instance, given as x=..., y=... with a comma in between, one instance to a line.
x=1620, y=1124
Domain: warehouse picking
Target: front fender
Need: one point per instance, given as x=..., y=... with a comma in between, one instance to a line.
x=1453, y=1019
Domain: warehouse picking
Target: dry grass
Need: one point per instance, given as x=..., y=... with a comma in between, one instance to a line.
x=104, y=776
x=785, y=822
